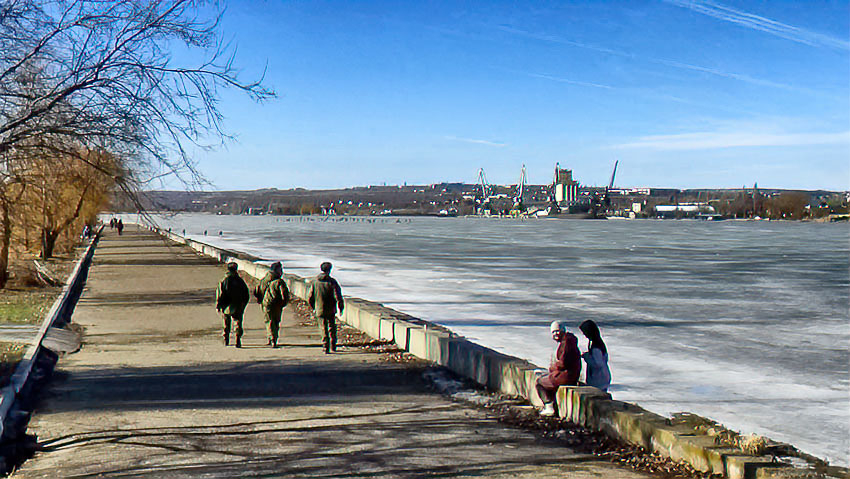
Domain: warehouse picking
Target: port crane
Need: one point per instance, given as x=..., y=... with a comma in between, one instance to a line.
x=520, y=187
x=607, y=199
x=486, y=192
x=600, y=206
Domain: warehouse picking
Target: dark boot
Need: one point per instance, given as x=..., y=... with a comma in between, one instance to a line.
x=238, y=342
x=227, y=340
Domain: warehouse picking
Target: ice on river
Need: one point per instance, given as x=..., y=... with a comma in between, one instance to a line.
x=744, y=322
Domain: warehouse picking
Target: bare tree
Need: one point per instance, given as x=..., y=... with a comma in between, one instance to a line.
x=96, y=75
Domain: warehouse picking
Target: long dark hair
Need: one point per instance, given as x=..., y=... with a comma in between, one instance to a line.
x=591, y=330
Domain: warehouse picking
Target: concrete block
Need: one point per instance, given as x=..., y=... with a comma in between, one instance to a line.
x=437, y=346
x=506, y=373
x=783, y=471
x=387, y=330
x=574, y=403
x=514, y=380
x=401, y=333
x=369, y=321
x=464, y=359
x=631, y=426
x=480, y=361
x=350, y=315
x=530, y=377
x=702, y=453
x=297, y=286
x=745, y=467
x=665, y=437
x=417, y=344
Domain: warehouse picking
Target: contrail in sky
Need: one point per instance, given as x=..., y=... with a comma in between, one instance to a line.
x=715, y=140
x=477, y=142
x=567, y=80
x=669, y=63
x=762, y=24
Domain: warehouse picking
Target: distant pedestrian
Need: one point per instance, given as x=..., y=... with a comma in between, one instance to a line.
x=120, y=226
x=273, y=294
x=231, y=297
x=564, y=369
x=325, y=297
x=597, y=373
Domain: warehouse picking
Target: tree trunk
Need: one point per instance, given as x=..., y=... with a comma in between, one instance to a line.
x=48, y=242
x=49, y=235
x=5, y=241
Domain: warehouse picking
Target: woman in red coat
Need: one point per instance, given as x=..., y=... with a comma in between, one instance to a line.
x=564, y=370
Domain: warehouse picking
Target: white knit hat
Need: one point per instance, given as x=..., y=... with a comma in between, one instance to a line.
x=558, y=326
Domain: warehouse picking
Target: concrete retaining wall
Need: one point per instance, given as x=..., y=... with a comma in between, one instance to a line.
x=38, y=361
x=583, y=405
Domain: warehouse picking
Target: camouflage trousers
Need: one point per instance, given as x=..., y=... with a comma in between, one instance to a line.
x=273, y=323
x=327, y=328
x=234, y=319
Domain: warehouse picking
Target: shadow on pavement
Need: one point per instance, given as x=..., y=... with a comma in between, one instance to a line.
x=205, y=296
x=234, y=384
x=341, y=434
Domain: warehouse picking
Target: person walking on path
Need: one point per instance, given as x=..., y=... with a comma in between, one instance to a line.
x=597, y=373
x=564, y=369
x=325, y=297
x=231, y=297
x=120, y=226
x=273, y=294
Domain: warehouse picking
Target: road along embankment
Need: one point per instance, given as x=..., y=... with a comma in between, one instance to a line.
x=705, y=445
x=39, y=360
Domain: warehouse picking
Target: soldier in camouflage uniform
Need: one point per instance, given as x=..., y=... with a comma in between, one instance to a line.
x=325, y=297
x=273, y=294
x=231, y=297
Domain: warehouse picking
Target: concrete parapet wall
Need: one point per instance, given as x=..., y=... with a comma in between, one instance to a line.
x=37, y=363
x=584, y=405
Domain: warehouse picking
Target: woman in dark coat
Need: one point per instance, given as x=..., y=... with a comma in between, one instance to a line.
x=564, y=369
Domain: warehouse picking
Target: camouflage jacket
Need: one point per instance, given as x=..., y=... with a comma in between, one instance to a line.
x=276, y=296
x=325, y=296
x=263, y=286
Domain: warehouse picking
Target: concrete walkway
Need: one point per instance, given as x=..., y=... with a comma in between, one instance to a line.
x=154, y=392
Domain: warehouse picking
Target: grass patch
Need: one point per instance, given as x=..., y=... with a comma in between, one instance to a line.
x=25, y=307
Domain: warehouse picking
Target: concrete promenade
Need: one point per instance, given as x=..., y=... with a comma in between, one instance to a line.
x=154, y=392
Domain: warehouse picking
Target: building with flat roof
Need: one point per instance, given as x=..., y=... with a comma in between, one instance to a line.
x=565, y=187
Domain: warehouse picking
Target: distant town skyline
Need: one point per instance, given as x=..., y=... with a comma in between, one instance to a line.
x=685, y=94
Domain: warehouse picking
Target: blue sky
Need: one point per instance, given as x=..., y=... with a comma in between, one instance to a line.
x=684, y=94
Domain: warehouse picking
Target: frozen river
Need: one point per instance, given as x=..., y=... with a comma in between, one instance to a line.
x=747, y=323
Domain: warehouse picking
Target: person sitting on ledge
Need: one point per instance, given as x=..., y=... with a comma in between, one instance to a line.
x=597, y=373
x=564, y=369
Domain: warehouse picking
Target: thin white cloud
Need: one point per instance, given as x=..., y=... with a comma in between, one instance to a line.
x=659, y=61
x=762, y=24
x=719, y=139
x=557, y=39
x=734, y=76
x=477, y=142
x=571, y=82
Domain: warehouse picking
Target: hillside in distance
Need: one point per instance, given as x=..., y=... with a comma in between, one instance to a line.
x=462, y=199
